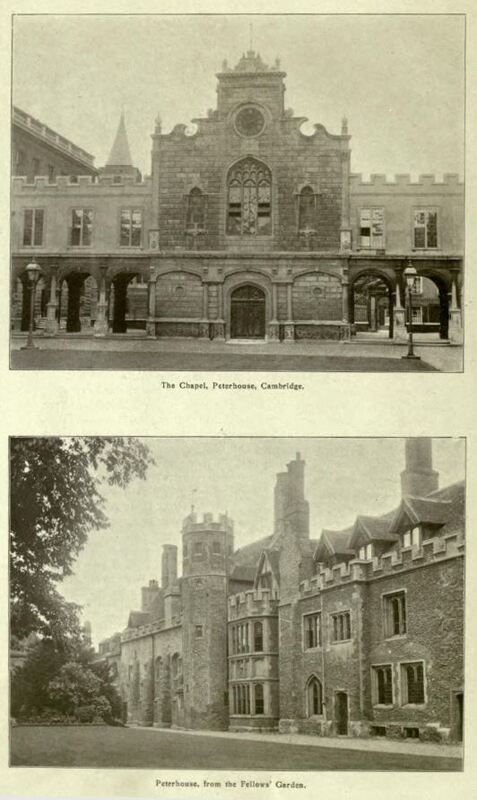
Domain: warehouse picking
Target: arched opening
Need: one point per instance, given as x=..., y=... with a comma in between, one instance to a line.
x=314, y=697
x=77, y=301
x=249, y=199
x=127, y=302
x=247, y=313
x=430, y=307
x=371, y=306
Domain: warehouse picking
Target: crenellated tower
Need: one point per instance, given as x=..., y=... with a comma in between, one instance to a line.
x=206, y=547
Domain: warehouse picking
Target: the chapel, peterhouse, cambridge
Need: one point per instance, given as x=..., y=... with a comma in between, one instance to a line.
x=246, y=228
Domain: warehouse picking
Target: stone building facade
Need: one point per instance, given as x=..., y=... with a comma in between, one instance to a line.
x=358, y=632
x=246, y=228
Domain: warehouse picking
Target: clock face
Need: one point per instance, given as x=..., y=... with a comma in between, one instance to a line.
x=249, y=121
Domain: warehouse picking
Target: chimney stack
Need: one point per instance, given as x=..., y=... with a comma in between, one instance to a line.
x=418, y=479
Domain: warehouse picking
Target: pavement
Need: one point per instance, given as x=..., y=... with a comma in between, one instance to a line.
x=79, y=352
x=372, y=744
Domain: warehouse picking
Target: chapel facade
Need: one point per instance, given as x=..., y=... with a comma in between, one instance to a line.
x=358, y=632
x=246, y=228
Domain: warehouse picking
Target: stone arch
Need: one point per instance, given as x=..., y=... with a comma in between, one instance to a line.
x=77, y=300
x=317, y=295
x=371, y=301
x=256, y=281
x=443, y=283
x=122, y=310
x=314, y=698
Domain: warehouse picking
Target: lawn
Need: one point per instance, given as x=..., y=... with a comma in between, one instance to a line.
x=145, y=748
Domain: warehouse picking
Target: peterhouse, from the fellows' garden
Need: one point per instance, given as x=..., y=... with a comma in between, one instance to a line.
x=358, y=632
x=246, y=228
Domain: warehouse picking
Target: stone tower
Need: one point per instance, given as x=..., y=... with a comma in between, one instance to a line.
x=418, y=479
x=206, y=547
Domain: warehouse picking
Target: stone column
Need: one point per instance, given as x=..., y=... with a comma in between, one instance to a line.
x=204, y=324
x=289, y=328
x=273, y=326
x=151, y=304
x=219, y=324
x=400, y=333
x=52, y=307
x=345, y=227
x=345, y=332
x=455, y=316
x=101, y=323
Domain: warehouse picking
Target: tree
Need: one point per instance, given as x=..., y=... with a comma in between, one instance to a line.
x=56, y=502
x=76, y=692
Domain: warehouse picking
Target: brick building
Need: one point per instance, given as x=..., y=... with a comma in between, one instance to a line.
x=358, y=632
x=246, y=228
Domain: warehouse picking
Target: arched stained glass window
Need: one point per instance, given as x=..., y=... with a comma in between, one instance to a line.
x=306, y=209
x=314, y=697
x=259, y=703
x=196, y=209
x=249, y=199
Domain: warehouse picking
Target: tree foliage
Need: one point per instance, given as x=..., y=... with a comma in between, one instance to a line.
x=56, y=502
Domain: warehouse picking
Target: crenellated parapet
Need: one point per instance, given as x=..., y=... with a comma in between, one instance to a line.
x=71, y=184
x=208, y=523
x=450, y=180
x=254, y=603
x=146, y=630
x=431, y=551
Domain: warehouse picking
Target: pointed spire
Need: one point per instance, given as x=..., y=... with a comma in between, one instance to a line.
x=120, y=155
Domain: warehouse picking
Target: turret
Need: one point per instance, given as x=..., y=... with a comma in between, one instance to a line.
x=205, y=547
x=419, y=479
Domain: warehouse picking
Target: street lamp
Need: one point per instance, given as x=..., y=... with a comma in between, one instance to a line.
x=33, y=271
x=410, y=274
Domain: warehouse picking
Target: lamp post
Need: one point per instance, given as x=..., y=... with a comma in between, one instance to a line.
x=410, y=274
x=33, y=271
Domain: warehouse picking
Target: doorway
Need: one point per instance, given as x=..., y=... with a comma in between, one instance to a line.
x=247, y=313
x=341, y=713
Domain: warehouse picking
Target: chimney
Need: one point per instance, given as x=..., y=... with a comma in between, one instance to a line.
x=148, y=594
x=418, y=479
x=169, y=565
x=291, y=508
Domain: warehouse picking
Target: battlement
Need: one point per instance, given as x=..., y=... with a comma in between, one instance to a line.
x=192, y=525
x=146, y=630
x=431, y=551
x=450, y=179
x=256, y=602
x=71, y=183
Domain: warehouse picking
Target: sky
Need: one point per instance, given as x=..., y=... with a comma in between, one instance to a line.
x=343, y=477
x=398, y=78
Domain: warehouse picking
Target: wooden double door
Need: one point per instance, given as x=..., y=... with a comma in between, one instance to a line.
x=247, y=313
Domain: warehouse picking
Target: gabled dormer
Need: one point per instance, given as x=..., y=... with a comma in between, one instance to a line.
x=268, y=571
x=419, y=518
x=372, y=536
x=333, y=548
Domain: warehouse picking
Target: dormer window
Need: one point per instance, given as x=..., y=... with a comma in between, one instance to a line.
x=413, y=537
x=365, y=553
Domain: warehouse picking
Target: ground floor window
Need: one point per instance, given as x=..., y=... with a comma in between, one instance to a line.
x=241, y=699
x=412, y=683
x=259, y=701
x=314, y=697
x=382, y=685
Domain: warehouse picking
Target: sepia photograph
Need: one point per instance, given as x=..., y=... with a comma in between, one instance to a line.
x=274, y=192
x=237, y=603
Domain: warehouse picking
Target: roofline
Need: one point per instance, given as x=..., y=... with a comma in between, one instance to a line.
x=51, y=137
